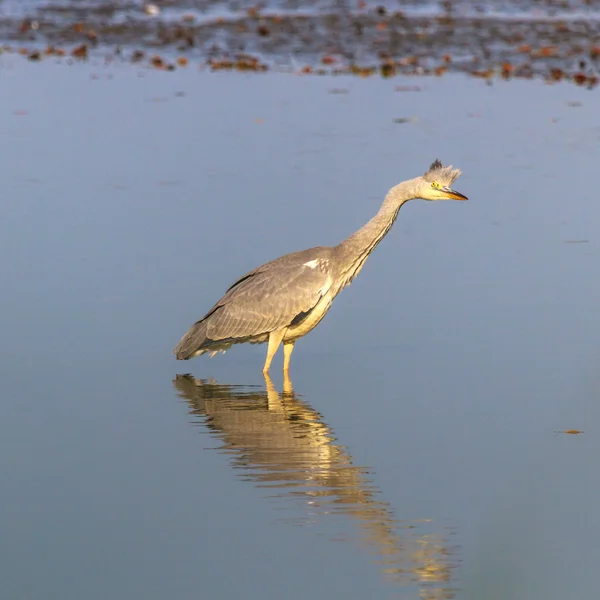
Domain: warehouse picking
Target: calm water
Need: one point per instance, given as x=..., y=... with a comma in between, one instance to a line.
x=416, y=456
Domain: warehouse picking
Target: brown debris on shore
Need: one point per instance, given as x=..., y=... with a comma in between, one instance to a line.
x=390, y=43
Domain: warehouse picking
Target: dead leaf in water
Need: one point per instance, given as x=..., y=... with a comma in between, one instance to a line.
x=401, y=120
x=157, y=62
x=570, y=431
x=80, y=51
x=407, y=88
x=556, y=74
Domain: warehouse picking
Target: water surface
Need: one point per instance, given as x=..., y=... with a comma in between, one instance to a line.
x=416, y=456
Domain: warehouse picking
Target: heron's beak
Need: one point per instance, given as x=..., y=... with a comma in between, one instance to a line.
x=453, y=194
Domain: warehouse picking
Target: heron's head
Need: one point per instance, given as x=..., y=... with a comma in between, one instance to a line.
x=436, y=184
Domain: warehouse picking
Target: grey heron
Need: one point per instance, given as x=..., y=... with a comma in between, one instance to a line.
x=286, y=298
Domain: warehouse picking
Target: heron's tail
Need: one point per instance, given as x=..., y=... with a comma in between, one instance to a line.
x=191, y=343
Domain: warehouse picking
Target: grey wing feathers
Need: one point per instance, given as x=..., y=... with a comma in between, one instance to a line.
x=267, y=301
x=262, y=301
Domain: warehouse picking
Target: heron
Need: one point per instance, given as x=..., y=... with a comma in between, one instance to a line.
x=286, y=298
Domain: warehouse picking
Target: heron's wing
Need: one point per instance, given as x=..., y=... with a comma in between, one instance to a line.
x=269, y=298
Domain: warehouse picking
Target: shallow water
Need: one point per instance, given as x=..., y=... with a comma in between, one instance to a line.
x=416, y=456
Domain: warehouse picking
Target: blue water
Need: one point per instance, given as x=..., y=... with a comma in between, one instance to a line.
x=417, y=456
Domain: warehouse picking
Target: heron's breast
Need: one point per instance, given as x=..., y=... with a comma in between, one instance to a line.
x=312, y=319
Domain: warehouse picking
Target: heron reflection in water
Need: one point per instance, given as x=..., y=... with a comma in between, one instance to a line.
x=283, y=444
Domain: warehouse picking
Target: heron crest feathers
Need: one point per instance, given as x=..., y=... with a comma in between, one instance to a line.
x=444, y=175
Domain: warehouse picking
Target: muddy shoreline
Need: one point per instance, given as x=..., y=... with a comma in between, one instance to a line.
x=375, y=41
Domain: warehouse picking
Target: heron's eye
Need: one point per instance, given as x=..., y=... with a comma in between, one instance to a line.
x=436, y=185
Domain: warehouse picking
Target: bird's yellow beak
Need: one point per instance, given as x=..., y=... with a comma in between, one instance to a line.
x=453, y=194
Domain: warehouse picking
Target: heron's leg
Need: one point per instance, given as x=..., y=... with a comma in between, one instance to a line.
x=288, y=348
x=275, y=338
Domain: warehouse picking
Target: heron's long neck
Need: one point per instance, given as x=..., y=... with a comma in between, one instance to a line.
x=354, y=250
